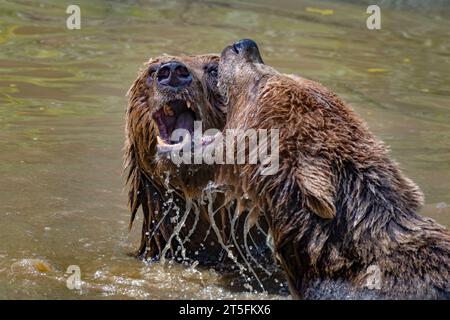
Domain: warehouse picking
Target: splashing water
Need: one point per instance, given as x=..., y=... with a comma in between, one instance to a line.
x=248, y=234
x=209, y=191
x=233, y=236
x=209, y=194
x=176, y=233
x=194, y=225
x=176, y=219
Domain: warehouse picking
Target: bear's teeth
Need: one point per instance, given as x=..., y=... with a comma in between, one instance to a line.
x=164, y=147
x=168, y=111
x=160, y=141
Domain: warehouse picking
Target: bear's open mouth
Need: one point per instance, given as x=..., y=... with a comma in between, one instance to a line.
x=175, y=115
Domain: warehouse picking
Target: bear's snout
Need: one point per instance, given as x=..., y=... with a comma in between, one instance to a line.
x=245, y=48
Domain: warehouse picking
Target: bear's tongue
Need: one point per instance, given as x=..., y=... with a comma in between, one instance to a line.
x=185, y=121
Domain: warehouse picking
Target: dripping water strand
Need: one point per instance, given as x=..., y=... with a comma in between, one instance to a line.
x=247, y=233
x=194, y=226
x=176, y=232
x=233, y=237
x=217, y=231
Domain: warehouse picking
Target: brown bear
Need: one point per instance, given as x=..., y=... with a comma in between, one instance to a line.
x=342, y=216
x=171, y=92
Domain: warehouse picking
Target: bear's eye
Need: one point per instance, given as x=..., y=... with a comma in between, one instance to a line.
x=213, y=71
x=152, y=71
x=150, y=74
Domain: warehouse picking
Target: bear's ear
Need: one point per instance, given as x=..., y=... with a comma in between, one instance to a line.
x=315, y=182
x=143, y=76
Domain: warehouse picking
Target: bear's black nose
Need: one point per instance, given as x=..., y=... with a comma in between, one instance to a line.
x=249, y=49
x=174, y=75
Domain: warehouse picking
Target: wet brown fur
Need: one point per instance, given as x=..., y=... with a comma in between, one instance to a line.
x=147, y=174
x=151, y=189
x=339, y=204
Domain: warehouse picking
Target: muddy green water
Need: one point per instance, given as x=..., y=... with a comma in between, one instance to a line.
x=62, y=102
